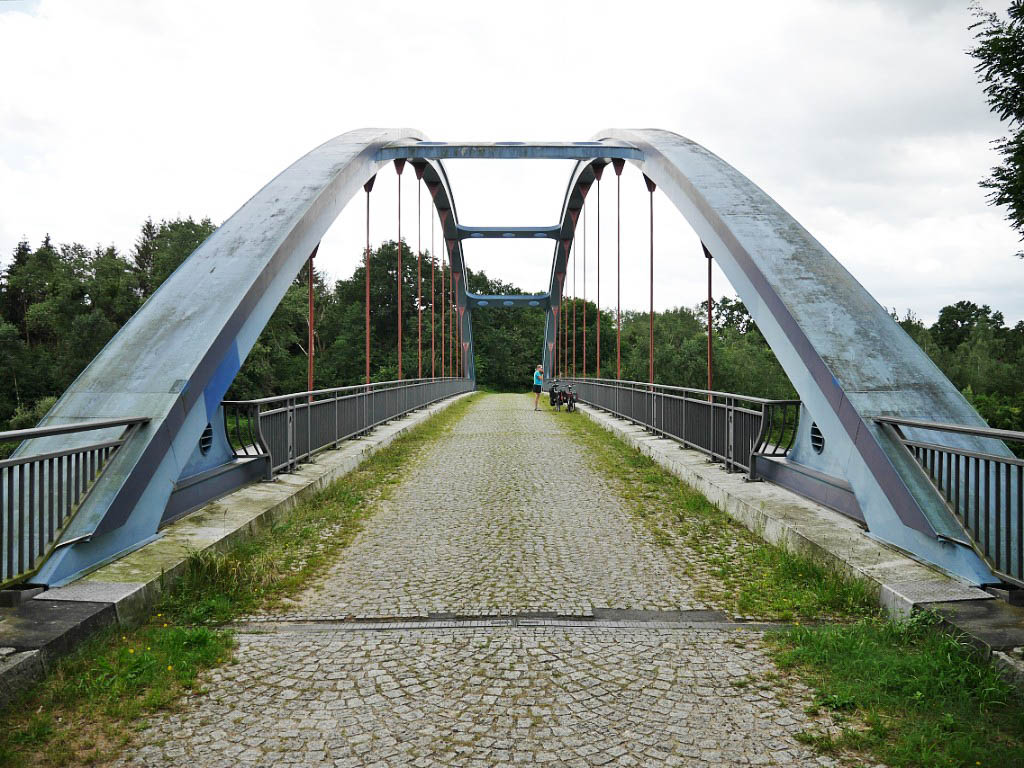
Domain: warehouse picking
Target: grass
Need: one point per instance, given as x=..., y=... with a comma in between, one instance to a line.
x=86, y=710
x=905, y=692
x=742, y=574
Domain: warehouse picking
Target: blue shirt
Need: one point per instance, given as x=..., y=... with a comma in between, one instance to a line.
x=538, y=379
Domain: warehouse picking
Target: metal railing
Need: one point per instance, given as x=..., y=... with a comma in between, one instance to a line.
x=985, y=491
x=290, y=428
x=727, y=427
x=40, y=494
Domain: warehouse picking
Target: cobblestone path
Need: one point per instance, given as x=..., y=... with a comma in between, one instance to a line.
x=501, y=517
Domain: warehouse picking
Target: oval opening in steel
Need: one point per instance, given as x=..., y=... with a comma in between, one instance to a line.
x=206, y=440
x=817, y=439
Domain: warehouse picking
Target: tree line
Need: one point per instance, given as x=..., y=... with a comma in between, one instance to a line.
x=59, y=304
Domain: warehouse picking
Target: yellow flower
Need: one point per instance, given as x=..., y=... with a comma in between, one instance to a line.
x=124, y=638
x=131, y=650
x=165, y=625
x=169, y=667
x=148, y=648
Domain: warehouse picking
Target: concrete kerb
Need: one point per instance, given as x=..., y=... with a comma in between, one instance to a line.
x=132, y=584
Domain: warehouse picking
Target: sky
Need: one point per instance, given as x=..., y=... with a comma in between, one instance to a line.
x=862, y=118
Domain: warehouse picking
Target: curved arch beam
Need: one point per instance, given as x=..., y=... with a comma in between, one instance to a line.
x=436, y=179
x=174, y=360
x=847, y=358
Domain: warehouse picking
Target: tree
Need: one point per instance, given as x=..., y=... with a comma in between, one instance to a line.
x=161, y=248
x=957, y=321
x=145, y=248
x=1000, y=66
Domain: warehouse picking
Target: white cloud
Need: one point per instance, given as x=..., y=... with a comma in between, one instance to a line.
x=862, y=118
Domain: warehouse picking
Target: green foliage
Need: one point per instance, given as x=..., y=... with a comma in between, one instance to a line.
x=507, y=341
x=85, y=709
x=60, y=304
x=982, y=356
x=906, y=692
x=999, y=53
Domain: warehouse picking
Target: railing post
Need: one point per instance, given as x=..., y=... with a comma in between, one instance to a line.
x=337, y=425
x=730, y=425
x=685, y=424
x=257, y=423
x=289, y=437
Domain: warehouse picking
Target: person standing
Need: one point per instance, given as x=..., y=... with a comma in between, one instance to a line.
x=538, y=384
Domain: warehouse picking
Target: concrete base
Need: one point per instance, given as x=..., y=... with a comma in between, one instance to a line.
x=35, y=632
x=12, y=597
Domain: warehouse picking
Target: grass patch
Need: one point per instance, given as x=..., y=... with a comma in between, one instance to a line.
x=910, y=694
x=736, y=570
x=87, y=709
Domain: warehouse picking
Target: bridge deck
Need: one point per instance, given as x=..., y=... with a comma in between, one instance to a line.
x=502, y=517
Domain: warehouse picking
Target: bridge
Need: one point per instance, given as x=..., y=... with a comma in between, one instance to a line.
x=141, y=436
x=144, y=436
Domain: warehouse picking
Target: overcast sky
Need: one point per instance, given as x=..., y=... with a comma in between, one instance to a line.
x=863, y=119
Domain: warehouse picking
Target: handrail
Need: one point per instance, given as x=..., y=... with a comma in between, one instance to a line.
x=18, y=460
x=40, y=494
x=713, y=392
x=63, y=429
x=982, y=490
x=289, y=429
x=714, y=423
x=960, y=429
x=963, y=452
x=354, y=388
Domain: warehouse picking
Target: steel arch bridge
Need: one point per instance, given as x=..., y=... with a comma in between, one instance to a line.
x=851, y=364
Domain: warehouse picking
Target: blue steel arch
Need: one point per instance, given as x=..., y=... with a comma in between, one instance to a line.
x=174, y=360
x=848, y=359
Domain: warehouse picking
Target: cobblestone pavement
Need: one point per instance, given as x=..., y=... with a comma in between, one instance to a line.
x=488, y=698
x=501, y=516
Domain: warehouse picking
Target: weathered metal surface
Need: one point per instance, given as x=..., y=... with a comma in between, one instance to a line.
x=508, y=233
x=509, y=150
x=174, y=360
x=849, y=361
x=509, y=300
x=985, y=492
